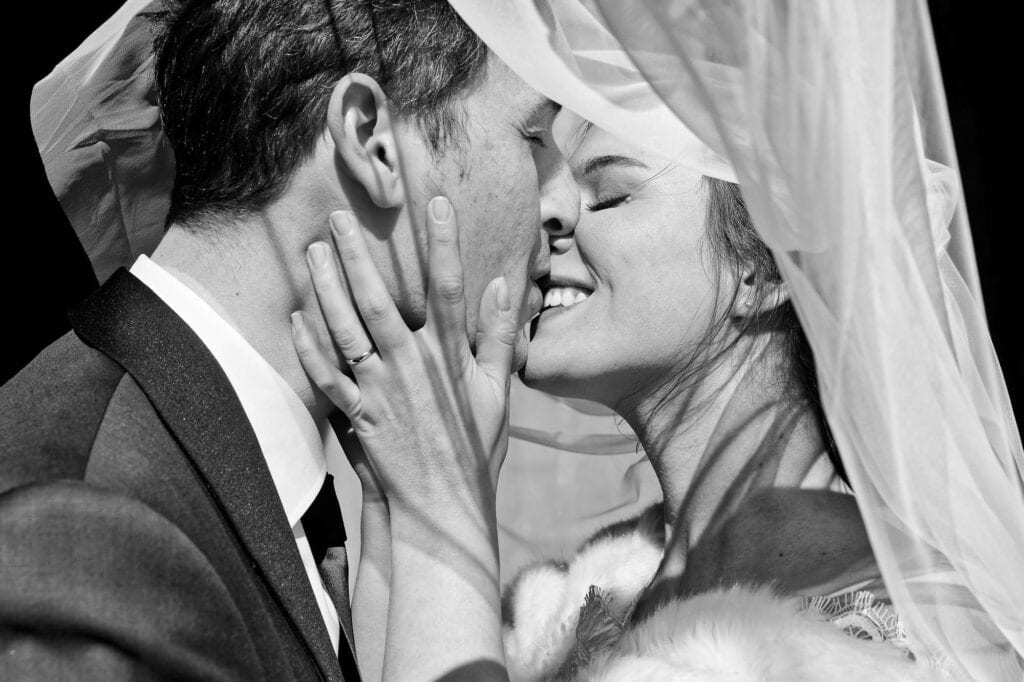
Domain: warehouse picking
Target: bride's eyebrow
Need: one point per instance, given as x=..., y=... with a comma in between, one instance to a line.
x=598, y=162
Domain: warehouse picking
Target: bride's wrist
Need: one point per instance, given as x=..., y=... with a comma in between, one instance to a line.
x=448, y=522
x=469, y=491
x=468, y=551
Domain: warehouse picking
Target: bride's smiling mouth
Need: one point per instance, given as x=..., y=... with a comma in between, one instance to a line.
x=562, y=293
x=564, y=297
x=558, y=295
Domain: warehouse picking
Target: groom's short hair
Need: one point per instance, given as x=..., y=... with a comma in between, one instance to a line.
x=243, y=85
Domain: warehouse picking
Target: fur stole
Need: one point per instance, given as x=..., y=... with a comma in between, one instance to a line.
x=571, y=621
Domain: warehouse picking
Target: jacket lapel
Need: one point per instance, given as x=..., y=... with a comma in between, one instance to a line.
x=128, y=322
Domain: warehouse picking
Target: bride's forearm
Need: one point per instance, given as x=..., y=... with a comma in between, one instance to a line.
x=372, y=591
x=444, y=619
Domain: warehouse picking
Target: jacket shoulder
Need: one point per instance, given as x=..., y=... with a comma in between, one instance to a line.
x=51, y=410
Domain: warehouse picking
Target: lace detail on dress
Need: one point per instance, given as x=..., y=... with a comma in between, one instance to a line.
x=860, y=615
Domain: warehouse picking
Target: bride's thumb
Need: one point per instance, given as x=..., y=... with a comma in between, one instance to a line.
x=496, y=332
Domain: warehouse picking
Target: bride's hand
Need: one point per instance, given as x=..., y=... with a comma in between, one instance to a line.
x=432, y=419
x=431, y=416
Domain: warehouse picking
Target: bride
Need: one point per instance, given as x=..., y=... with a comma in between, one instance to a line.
x=879, y=542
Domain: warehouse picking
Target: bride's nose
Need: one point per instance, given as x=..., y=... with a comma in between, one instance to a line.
x=560, y=206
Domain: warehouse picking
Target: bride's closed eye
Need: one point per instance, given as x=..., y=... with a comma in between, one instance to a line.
x=613, y=178
x=609, y=202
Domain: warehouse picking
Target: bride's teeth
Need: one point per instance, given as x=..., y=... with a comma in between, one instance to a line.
x=564, y=296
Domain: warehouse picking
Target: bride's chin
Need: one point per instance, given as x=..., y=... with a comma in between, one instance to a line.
x=530, y=377
x=550, y=365
x=546, y=383
x=544, y=373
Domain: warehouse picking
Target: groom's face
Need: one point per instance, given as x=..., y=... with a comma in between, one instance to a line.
x=510, y=187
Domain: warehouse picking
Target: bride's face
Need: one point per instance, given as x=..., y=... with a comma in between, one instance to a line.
x=633, y=293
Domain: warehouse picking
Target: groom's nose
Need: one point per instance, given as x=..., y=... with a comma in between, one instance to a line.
x=559, y=201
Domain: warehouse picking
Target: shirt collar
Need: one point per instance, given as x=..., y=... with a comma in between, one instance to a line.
x=293, y=446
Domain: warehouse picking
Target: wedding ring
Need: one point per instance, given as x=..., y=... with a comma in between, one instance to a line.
x=355, y=361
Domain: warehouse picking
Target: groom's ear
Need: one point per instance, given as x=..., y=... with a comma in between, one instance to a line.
x=759, y=295
x=359, y=122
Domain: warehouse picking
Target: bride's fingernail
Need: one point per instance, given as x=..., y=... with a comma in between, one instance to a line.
x=343, y=223
x=501, y=297
x=318, y=254
x=297, y=323
x=441, y=209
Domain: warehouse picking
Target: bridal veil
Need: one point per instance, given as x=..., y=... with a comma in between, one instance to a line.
x=832, y=118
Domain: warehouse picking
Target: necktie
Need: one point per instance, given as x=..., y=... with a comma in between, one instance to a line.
x=325, y=531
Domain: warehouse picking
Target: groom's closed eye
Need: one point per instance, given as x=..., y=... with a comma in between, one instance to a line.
x=536, y=126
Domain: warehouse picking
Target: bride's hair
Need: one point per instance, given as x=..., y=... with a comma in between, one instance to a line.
x=733, y=243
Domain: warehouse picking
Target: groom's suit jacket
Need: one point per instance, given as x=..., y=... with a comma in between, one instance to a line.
x=141, y=536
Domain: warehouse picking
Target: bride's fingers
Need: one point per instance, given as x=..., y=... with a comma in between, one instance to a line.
x=343, y=322
x=446, y=303
x=376, y=308
x=340, y=389
x=497, y=330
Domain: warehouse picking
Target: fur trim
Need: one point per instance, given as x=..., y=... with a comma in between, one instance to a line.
x=542, y=606
x=742, y=635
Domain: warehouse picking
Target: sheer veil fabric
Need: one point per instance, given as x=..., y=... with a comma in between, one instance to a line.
x=832, y=118
x=99, y=134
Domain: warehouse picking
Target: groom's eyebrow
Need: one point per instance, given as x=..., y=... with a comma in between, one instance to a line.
x=598, y=162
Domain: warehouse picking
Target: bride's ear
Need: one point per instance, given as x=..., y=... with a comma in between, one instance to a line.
x=758, y=295
x=359, y=122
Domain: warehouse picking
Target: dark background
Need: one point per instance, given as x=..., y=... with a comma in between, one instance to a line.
x=46, y=271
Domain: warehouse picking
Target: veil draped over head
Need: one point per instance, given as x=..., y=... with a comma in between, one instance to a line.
x=832, y=118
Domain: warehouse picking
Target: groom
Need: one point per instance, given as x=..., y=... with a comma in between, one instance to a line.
x=165, y=506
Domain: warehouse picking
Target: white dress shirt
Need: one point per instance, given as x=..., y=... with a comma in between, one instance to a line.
x=295, y=450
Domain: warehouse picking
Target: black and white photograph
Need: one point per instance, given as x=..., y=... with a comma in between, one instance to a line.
x=512, y=340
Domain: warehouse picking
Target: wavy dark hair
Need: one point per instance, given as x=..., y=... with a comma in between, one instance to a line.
x=734, y=243
x=243, y=85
